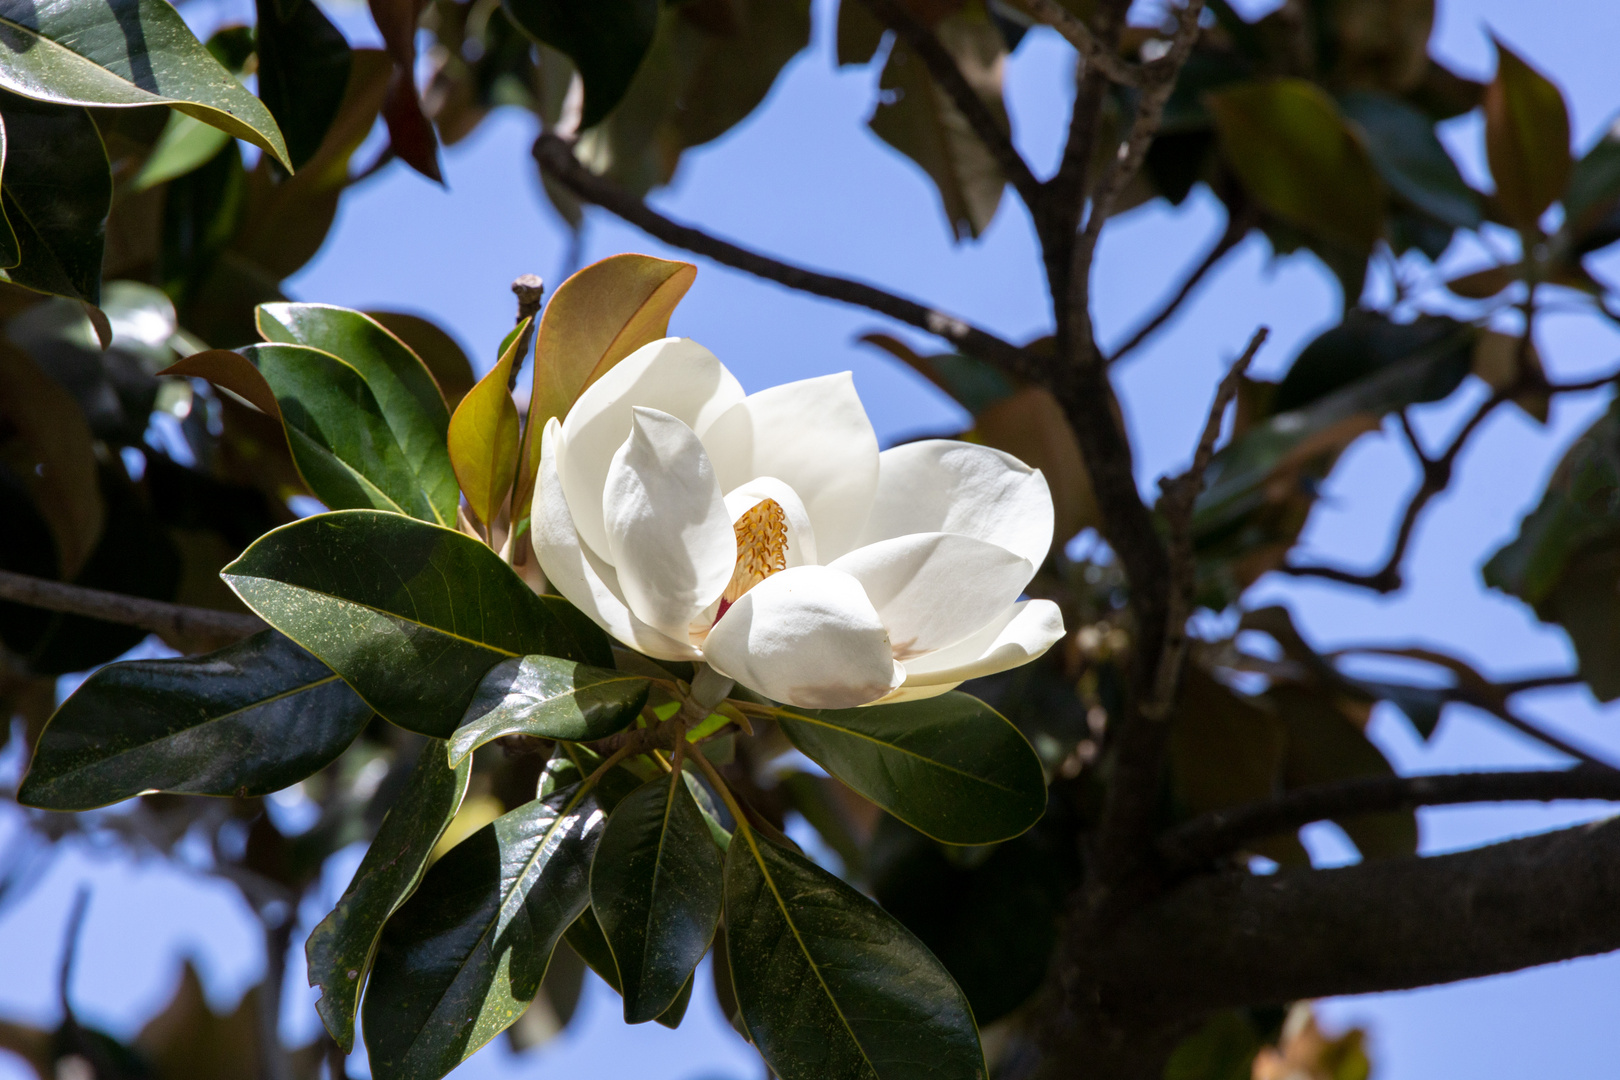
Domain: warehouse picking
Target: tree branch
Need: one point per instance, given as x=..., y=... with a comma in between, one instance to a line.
x=1078, y=34
x=1237, y=227
x=156, y=616
x=948, y=77
x=557, y=159
x=1213, y=835
x=1236, y=938
x=1180, y=494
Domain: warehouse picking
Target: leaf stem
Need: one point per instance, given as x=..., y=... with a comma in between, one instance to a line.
x=737, y=813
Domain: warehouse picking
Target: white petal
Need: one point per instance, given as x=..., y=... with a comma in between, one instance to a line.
x=668, y=533
x=807, y=637
x=814, y=436
x=934, y=589
x=941, y=485
x=801, y=534
x=675, y=375
x=579, y=576
x=906, y=692
x=1020, y=634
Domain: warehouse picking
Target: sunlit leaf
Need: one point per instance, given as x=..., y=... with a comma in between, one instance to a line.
x=949, y=766
x=126, y=53
x=341, y=947
x=410, y=614
x=438, y=350
x=830, y=986
x=247, y=720
x=407, y=396
x=484, y=438
x=550, y=698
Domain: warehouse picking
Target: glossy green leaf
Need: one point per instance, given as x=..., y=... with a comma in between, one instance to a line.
x=461, y=960
x=949, y=766
x=585, y=937
x=1288, y=144
x=410, y=614
x=830, y=985
x=406, y=393
x=551, y=698
x=606, y=40
x=341, y=947
x=304, y=67
x=656, y=891
x=1410, y=158
x=439, y=351
x=56, y=190
x=344, y=448
x=246, y=720
x=1526, y=139
x=484, y=436
x=125, y=53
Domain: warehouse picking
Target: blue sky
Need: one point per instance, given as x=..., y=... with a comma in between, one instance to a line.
x=804, y=179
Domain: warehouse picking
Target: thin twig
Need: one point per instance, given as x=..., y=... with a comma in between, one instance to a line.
x=1237, y=227
x=947, y=75
x=1078, y=34
x=1180, y=493
x=1222, y=832
x=156, y=616
x=557, y=159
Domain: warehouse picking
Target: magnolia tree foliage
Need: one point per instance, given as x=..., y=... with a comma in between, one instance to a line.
x=549, y=661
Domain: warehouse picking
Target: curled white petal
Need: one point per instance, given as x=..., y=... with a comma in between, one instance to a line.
x=801, y=534
x=813, y=435
x=941, y=485
x=668, y=533
x=807, y=636
x=933, y=589
x=585, y=581
x=909, y=692
x=1017, y=636
x=674, y=375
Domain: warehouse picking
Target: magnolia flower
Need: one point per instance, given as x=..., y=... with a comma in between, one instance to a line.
x=766, y=536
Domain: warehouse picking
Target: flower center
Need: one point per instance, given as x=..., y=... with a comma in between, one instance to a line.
x=761, y=549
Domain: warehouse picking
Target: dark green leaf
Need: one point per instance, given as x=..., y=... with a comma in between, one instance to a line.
x=1526, y=139
x=1563, y=562
x=585, y=937
x=247, y=720
x=655, y=890
x=830, y=985
x=340, y=949
x=405, y=390
x=1594, y=187
x=551, y=698
x=461, y=960
x=1410, y=158
x=344, y=448
x=125, y=53
x=410, y=614
x=1223, y=1049
x=439, y=351
x=948, y=766
x=57, y=191
x=606, y=40
x=303, y=70
x=990, y=916
x=672, y=1016
x=1288, y=144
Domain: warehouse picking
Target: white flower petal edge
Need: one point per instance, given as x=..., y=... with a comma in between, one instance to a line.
x=933, y=589
x=1023, y=632
x=940, y=485
x=673, y=375
x=668, y=532
x=808, y=637
x=801, y=534
x=571, y=569
x=814, y=436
